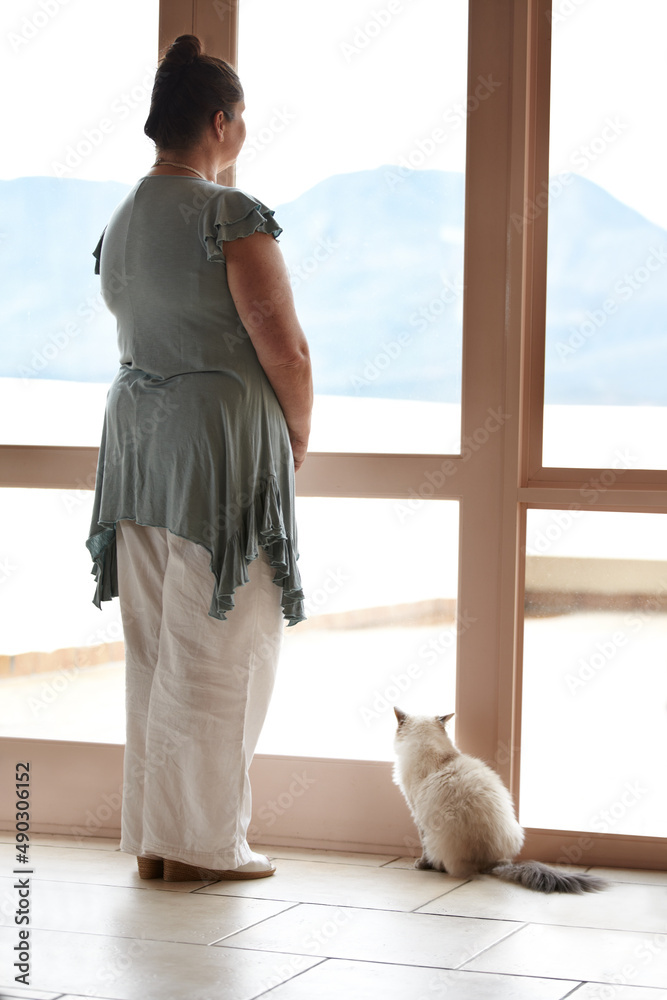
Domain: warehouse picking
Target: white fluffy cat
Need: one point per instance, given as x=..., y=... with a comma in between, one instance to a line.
x=464, y=813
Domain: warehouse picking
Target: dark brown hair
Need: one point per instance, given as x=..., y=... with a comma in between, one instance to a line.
x=189, y=89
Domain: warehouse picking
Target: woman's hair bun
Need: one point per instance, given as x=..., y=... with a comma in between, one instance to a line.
x=189, y=89
x=183, y=51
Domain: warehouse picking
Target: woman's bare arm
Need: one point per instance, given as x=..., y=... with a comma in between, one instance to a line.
x=260, y=286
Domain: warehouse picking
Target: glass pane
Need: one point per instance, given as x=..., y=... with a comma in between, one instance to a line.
x=381, y=586
x=606, y=338
x=61, y=658
x=594, y=739
x=381, y=629
x=356, y=137
x=59, y=184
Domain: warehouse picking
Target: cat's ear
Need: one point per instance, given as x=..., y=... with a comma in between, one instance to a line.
x=444, y=719
x=401, y=716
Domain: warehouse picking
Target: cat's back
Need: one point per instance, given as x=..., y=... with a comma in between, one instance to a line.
x=466, y=784
x=463, y=810
x=431, y=768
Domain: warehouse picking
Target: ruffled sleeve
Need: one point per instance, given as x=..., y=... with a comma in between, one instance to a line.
x=97, y=253
x=230, y=215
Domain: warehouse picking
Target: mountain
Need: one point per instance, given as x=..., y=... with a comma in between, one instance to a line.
x=376, y=260
x=394, y=247
x=53, y=322
x=606, y=301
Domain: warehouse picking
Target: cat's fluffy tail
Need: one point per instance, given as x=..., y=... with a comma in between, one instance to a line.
x=542, y=878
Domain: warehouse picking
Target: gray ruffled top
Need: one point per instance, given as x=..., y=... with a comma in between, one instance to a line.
x=194, y=438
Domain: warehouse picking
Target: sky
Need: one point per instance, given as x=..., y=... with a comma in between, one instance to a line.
x=332, y=89
x=607, y=98
x=71, y=67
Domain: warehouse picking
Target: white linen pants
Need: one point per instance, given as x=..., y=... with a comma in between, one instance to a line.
x=197, y=692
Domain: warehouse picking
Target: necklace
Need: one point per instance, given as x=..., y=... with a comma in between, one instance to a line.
x=172, y=163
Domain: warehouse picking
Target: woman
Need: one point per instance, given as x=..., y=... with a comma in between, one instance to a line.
x=193, y=526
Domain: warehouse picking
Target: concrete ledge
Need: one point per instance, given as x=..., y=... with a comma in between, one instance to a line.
x=596, y=576
x=557, y=585
x=433, y=612
x=24, y=664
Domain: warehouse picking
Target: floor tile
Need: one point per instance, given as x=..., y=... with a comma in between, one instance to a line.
x=152, y=970
x=8, y=898
x=601, y=991
x=334, y=979
x=588, y=954
x=403, y=863
x=623, y=906
x=409, y=862
x=374, y=935
x=15, y=992
x=7, y=837
x=344, y=885
x=58, y=864
x=59, y=840
x=328, y=924
x=333, y=857
x=631, y=875
x=158, y=916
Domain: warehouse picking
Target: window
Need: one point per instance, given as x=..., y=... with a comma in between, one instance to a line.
x=381, y=583
x=591, y=494
x=493, y=489
x=594, y=680
x=356, y=136
x=605, y=401
x=87, y=79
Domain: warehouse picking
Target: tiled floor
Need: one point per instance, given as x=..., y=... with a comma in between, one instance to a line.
x=352, y=926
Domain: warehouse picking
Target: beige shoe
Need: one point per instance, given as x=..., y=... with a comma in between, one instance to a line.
x=150, y=867
x=178, y=871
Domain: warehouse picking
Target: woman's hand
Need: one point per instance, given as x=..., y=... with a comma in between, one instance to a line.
x=299, y=451
x=260, y=286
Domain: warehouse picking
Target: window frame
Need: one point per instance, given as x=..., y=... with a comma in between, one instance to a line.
x=503, y=372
